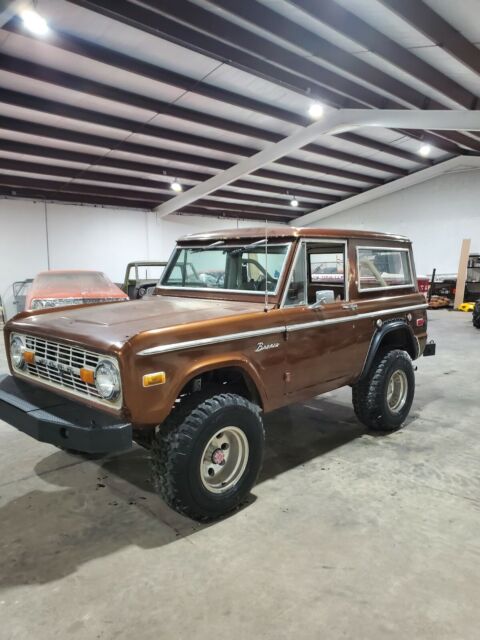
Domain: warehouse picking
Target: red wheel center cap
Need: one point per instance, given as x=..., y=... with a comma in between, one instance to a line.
x=218, y=457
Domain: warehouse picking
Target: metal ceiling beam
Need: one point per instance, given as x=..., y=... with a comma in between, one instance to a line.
x=92, y=88
x=78, y=198
x=432, y=25
x=60, y=187
x=66, y=155
x=348, y=24
x=121, y=61
x=42, y=73
x=259, y=15
x=151, y=21
x=228, y=213
x=116, y=144
x=9, y=9
x=98, y=53
x=132, y=126
x=161, y=186
x=333, y=122
x=211, y=27
x=76, y=113
x=86, y=199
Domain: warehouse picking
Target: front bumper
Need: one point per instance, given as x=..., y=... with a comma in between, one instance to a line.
x=51, y=418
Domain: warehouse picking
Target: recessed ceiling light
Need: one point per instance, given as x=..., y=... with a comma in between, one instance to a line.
x=315, y=110
x=34, y=22
x=294, y=202
x=176, y=186
x=425, y=150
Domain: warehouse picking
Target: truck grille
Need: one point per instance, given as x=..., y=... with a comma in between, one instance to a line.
x=60, y=364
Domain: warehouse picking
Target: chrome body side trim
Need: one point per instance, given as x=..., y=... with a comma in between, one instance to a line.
x=352, y=318
x=202, y=342
x=177, y=346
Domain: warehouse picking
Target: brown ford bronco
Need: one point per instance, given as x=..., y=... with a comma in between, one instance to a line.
x=241, y=323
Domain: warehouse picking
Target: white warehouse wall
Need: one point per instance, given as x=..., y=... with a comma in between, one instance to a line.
x=88, y=237
x=436, y=215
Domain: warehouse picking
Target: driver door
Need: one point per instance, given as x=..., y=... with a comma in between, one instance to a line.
x=318, y=319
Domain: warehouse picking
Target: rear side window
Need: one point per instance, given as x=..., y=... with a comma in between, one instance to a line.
x=381, y=268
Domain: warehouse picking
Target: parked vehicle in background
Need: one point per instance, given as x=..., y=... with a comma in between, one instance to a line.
x=141, y=278
x=239, y=325
x=69, y=288
x=14, y=299
x=446, y=285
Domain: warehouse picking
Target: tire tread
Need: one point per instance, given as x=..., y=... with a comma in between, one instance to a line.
x=182, y=424
x=367, y=395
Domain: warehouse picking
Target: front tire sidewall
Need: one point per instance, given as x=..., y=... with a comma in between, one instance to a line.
x=185, y=448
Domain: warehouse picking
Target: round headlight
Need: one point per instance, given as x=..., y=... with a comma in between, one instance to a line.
x=17, y=349
x=107, y=380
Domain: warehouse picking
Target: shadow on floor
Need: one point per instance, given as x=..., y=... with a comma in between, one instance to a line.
x=94, y=509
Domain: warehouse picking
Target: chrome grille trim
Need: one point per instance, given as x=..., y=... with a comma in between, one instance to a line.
x=58, y=365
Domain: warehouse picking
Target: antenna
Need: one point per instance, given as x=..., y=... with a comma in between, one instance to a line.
x=266, y=268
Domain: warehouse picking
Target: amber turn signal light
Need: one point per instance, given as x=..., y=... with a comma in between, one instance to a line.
x=29, y=357
x=88, y=376
x=151, y=379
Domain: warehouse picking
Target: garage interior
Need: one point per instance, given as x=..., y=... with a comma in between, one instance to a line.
x=126, y=125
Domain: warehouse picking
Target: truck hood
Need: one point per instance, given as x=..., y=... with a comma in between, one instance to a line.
x=108, y=326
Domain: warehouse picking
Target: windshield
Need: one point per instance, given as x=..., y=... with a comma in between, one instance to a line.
x=248, y=268
x=73, y=283
x=87, y=279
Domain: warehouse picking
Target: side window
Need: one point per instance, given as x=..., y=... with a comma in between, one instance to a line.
x=326, y=273
x=296, y=292
x=383, y=268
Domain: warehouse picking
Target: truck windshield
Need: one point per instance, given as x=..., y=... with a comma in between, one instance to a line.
x=230, y=268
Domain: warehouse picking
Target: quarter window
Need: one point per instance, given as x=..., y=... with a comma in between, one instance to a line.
x=383, y=268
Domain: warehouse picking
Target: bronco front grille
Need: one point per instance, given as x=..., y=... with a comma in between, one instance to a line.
x=59, y=365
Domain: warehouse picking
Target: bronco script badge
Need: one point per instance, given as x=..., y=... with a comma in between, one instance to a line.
x=261, y=346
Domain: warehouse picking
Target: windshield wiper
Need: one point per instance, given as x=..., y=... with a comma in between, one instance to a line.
x=209, y=246
x=247, y=247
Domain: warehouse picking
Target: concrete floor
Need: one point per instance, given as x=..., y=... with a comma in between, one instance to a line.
x=347, y=535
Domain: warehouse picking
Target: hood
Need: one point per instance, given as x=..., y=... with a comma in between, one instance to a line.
x=112, y=325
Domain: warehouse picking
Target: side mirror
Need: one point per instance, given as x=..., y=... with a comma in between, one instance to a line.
x=322, y=297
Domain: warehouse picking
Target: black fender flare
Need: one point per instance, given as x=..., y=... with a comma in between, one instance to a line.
x=379, y=335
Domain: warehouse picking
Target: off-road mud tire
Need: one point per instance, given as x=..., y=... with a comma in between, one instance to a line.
x=179, y=444
x=369, y=396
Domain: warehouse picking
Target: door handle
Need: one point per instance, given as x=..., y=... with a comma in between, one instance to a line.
x=350, y=307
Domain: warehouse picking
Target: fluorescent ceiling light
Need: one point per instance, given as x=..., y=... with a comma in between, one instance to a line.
x=34, y=22
x=315, y=110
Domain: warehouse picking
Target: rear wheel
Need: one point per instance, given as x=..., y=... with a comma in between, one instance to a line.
x=383, y=399
x=207, y=455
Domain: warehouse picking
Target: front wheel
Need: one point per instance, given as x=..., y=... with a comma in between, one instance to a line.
x=383, y=399
x=207, y=455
